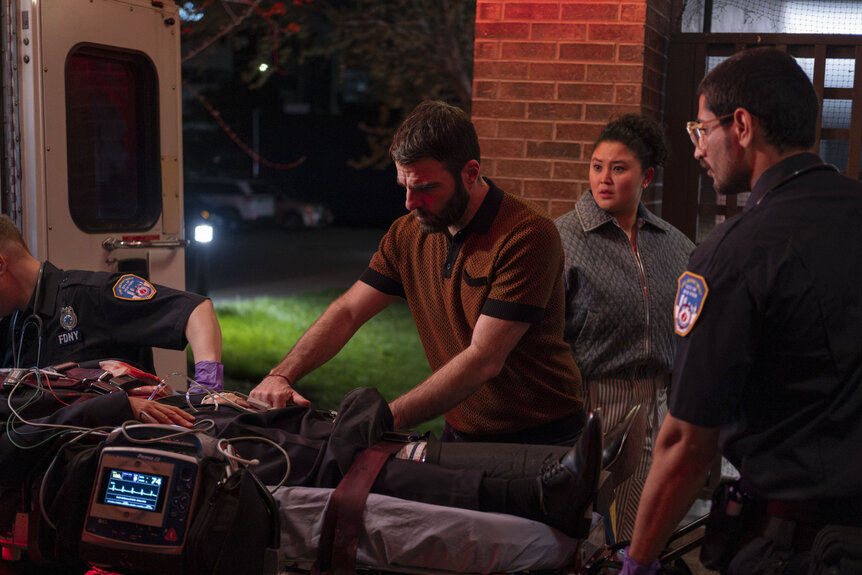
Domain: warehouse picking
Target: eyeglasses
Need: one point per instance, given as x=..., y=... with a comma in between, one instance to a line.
x=698, y=132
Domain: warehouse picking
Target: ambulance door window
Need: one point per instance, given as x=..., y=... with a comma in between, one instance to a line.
x=112, y=132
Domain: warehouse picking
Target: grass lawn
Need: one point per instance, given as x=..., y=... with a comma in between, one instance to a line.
x=385, y=353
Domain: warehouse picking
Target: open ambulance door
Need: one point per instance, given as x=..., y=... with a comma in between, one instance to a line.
x=106, y=75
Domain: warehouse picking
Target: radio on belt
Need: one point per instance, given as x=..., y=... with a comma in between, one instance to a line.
x=143, y=498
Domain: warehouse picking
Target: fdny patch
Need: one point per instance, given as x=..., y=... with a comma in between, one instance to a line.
x=690, y=295
x=69, y=337
x=131, y=287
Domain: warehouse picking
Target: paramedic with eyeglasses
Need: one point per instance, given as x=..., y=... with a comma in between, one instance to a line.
x=768, y=316
x=52, y=316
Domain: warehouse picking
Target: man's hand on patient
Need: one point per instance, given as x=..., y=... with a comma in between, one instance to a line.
x=154, y=412
x=276, y=391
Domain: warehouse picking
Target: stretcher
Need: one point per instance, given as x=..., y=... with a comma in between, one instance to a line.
x=408, y=537
x=401, y=536
x=398, y=537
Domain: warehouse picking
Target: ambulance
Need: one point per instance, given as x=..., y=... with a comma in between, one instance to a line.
x=92, y=137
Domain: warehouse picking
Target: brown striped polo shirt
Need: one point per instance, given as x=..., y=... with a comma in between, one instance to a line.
x=506, y=263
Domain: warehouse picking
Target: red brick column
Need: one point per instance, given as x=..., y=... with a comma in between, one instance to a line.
x=548, y=75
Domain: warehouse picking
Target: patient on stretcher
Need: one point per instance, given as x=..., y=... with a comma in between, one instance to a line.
x=545, y=483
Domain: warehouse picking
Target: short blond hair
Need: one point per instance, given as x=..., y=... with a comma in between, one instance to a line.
x=10, y=235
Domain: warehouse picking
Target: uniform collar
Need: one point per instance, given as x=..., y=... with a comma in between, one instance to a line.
x=592, y=217
x=777, y=173
x=51, y=278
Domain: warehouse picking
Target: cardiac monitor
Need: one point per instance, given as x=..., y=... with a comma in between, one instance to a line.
x=143, y=499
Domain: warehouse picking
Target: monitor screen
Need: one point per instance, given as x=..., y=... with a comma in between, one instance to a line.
x=124, y=488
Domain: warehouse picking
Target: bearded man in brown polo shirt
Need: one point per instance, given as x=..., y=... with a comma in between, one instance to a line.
x=482, y=273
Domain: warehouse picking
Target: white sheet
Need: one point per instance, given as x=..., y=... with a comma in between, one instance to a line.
x=406, y=536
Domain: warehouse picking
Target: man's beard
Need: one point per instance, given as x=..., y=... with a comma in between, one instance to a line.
x=450, y=214
x=737, y=182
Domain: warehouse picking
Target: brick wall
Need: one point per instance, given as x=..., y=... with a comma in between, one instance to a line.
x=548, y=75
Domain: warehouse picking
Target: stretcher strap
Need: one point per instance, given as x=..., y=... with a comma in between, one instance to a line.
x=342, y=520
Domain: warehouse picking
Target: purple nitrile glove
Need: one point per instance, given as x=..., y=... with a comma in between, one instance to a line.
x=632, y=567
x=210, y=374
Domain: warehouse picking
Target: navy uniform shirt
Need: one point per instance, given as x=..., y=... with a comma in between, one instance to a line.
x=97, y=315
x=770, y=347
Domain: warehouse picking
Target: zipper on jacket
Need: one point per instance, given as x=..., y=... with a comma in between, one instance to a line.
x=646, y=296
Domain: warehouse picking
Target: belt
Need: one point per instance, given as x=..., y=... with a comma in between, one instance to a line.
x=824, y=512
x=798, y=512
x=808, y=518
x=801, y=535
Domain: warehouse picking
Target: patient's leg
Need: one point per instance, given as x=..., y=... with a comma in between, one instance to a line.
x=471, y=489
x=429, y=484
x=501, y=460
x=560, y=495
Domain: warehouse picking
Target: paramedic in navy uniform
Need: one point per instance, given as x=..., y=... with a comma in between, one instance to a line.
x=84, y=315
x=769, y=317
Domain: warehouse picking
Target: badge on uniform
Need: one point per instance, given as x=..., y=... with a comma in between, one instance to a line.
x=690, y=294
x=68, y=318
x=68, y=321
x=132, y=287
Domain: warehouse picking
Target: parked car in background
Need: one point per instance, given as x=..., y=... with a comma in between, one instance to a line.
x=292, y=213
x=240, y=201
x=234, y=201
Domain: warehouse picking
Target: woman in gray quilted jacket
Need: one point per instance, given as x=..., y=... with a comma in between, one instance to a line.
x=622, y=265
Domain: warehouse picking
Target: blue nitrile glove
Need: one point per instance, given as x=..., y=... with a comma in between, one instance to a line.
x=632, y=567
x=210, y=374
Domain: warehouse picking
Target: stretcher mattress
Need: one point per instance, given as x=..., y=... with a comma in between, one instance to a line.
x=411, y=537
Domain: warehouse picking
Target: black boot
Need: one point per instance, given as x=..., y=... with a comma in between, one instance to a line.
x=567, y=487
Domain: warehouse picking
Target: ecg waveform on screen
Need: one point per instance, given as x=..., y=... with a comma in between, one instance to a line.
x=129, y=489
x=113, y=488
